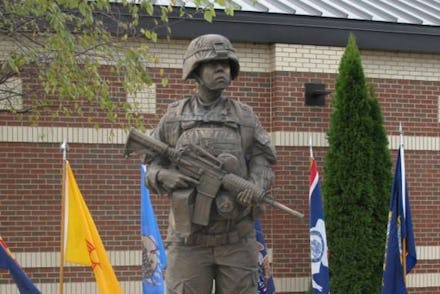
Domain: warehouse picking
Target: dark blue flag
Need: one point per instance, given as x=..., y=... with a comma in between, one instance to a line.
x=265, y=279
x=7, y=262
x=400, y=245
x=318, y=237
x=153, y=253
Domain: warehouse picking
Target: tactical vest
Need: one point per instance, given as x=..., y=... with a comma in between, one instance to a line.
x=240, y=116
x=229, y=131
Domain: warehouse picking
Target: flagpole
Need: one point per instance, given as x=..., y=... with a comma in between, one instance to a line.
x=63, y=148
x=403, y=179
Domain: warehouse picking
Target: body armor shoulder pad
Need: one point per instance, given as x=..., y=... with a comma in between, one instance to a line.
x=172, y=121
x=245, y=113
x=174, y=104
x=245, y=107
x=175, y=108
x=178, y=105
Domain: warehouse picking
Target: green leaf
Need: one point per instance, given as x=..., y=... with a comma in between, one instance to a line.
x=78, y=60
x=209, y=15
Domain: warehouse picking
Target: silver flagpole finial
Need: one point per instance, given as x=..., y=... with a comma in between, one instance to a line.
x=310, y=144
x=64, y=148
x=400, y=134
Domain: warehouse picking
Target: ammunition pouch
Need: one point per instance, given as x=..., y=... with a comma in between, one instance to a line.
x=206, y=192
x=182, y=205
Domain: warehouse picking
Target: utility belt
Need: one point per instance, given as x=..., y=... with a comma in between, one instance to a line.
x=241, y=231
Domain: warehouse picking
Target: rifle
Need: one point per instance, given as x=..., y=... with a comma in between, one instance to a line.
x=195, y=162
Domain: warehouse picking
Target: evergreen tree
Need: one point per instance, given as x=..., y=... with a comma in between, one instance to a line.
x=382, y=174
x=357, y=181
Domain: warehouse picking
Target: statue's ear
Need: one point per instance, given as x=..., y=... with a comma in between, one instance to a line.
x=196, y=76
x=198, y=79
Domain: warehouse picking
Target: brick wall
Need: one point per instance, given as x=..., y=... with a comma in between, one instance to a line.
x=272, y=82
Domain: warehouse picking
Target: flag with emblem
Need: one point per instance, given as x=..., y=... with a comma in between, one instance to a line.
x=318, y=238
x=400, y=251
x=154, y=260
x=265, y=278
x=83, y=244
x=8, y=262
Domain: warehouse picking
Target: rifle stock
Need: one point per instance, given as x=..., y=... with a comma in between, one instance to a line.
x=193, y=162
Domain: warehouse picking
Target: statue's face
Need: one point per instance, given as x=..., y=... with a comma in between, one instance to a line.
x=215, y=74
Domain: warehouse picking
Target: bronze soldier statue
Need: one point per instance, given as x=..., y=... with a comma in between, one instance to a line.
x=212, y=240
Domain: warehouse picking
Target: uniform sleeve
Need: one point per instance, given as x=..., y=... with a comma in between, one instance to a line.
x=259, y=152
x=262, y=159
x=167, y=131
x=260, y=164
x=155, y=164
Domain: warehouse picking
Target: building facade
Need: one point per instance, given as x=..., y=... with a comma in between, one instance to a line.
x=272, y=80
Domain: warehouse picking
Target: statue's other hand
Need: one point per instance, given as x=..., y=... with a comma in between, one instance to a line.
x=172, y=179
x=245, y=197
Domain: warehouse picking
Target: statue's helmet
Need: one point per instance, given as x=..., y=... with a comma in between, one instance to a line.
x=209, y=47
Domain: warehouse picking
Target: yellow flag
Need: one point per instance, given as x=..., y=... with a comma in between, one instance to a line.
x=83, y=244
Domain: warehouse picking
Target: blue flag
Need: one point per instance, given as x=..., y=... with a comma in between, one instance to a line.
x=7, y=262
x=154, y=259
x=400, y=236
x=265, y=279
x=318, y=237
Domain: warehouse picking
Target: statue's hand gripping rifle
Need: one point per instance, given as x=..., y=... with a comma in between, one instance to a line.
x=195, y=162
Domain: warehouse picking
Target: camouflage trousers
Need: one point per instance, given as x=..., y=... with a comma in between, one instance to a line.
x=193, y=269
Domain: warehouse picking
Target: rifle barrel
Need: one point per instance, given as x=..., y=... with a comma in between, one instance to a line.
x=283, y=207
